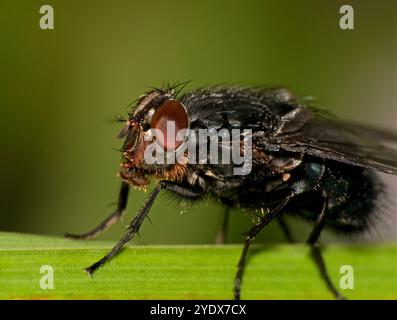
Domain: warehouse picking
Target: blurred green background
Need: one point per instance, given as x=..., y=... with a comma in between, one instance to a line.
x=59, y=89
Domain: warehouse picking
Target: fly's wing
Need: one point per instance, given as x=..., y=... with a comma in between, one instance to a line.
x=321, y=136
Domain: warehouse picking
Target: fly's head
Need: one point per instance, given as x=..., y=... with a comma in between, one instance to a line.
x=154, y=112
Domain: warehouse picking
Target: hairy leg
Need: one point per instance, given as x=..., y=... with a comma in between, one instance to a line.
x=250, y=237
x=109, y=221
x=316, y=251
x=136, y=223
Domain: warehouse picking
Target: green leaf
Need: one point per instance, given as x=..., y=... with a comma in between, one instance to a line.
x=188, y=272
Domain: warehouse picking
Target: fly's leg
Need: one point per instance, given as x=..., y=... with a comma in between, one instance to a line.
x=285, y=229
x=250, y=237
x=316, y=251
x=134, y=226
x=221, y=237
x=109, y=221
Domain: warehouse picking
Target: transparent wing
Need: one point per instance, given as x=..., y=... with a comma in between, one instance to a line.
x=330, y=138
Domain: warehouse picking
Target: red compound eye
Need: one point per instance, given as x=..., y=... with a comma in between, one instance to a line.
x=174, y=113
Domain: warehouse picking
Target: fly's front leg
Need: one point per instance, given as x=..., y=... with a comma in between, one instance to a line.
x=136, y=223
x=109, y=221
x=133, y=228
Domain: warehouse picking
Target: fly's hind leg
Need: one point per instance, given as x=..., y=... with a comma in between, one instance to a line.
x=316, y=251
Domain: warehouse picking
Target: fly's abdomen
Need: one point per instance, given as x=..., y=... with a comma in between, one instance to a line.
x=352, y=197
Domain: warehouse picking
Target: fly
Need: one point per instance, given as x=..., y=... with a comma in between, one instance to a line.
x=299, y=160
